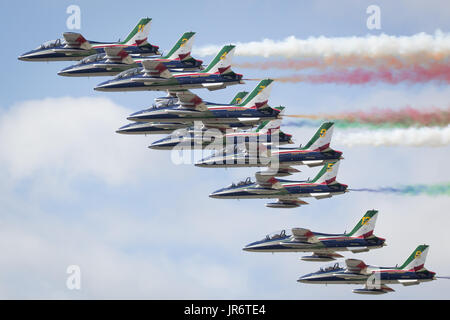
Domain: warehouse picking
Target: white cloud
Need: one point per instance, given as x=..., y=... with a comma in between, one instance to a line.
x=72, y=137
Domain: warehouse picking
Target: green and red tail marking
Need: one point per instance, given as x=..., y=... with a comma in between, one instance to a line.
x=259, y=97
x=416, y=261
x=364, y=228
x=139, y=34
x=182, y=49
x=321, y=139
x=222, y=62
x=327, y=174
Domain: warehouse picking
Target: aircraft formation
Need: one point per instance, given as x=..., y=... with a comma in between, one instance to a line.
x=246, y=132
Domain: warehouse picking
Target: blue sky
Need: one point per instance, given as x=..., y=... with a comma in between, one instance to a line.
x=75, y=192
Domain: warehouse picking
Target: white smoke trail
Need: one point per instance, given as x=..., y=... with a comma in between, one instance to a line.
x=412, y=137
x=369, y=46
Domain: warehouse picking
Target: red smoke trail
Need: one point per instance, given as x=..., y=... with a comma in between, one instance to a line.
x=406, y=116
x=417, y=74
x=341, y=62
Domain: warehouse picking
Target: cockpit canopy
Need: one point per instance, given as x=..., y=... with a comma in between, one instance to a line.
x=129, y=73
x=276, y=235
x=332, y=267
x=93, y=58
x=242, y=183
x=51, y=44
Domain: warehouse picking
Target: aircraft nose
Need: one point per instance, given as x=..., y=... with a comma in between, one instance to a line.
x=159, y=144
x=65, y=72
x=303, y=279
x=103, y=86
x=24, y=57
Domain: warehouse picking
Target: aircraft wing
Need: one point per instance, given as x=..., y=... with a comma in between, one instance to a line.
x=117, y=53
x=374, y=291
x=190, y=100
x=357, y=249
x=267, y=179
x=76, y=40
x=156, y=69
x=321, y=195
x=305, y=235
x=285, y=171
x=407, y=282
x=286, y=202
x=355, y=265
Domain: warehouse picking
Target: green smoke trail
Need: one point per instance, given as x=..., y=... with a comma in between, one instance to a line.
x=377, y=118
x=342, y=124
x=440, y=189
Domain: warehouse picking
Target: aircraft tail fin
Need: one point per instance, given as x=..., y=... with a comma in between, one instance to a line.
x=259, y=97
x=321, y=139
x=139, y=34
x=238, y=97
x=222, y=61
x=182, y=49
x=269, y=126
x=416, y=261
x=328, y=173
x=364, y=228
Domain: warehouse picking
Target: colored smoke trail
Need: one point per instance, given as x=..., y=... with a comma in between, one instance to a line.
x=410, y=137
x=345, y=62
x=379, y=118
x=430, y=46
x=441, y=189
x=417, y=74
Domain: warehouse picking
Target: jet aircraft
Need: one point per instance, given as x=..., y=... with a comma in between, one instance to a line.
x=315, y=153
x=116, y=60
x=191, y=108
x=322, y=245
x=73, y=46
x=375, y=279
x=154, y=75
x=204, y=137
x=324, y=185
x=166, y=127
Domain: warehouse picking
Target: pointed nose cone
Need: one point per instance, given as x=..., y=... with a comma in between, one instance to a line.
x=159, y=144
x=25, y=57
x=305, y=278
x=250, y=247
x=103, y=86
x=66, y=72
